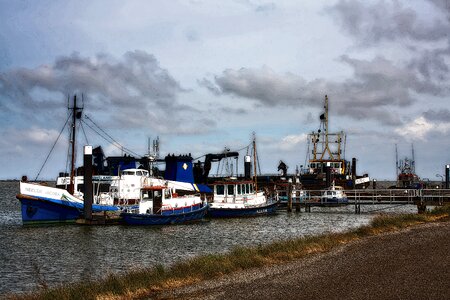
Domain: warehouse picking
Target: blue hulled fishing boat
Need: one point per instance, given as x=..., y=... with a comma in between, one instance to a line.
x=161, y=205
x=44, y=204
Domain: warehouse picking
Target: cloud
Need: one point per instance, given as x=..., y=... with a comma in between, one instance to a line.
x=376, y=88
x=421, y=129
x=293, y=142
x=131, y=92
x=440, y=115
x=374, y=22
x=12, y=140
x=420, y=31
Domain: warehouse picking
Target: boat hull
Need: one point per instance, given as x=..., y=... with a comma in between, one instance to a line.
x=37, y=210
x=165, y=218
x=262, y=210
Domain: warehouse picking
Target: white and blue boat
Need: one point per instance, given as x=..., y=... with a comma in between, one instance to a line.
x=335, y=195
x=161, y=205
x=44, y=204
x=236, y=198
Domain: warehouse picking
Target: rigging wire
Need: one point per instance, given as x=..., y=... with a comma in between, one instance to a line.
x=84, y=132
x=53, y=147
x=307, y=153
x=109, y=139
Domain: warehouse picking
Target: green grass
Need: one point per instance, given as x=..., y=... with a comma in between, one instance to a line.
x=141, y=283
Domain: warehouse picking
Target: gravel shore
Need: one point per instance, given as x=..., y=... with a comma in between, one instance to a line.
x=409, y=264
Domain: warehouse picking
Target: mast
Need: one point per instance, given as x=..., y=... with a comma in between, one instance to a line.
x=327, y=147
x=413, y=162
x=254, y=163
x=72, y=165
x=396, y=163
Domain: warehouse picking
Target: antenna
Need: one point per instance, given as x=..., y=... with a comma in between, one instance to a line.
x=396, y=163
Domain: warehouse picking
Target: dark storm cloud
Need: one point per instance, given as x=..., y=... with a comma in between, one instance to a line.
x=134, y=90
x=376, y=88
x=265, y=86
x=373, y=22
x=379, y=89
x=437, y=115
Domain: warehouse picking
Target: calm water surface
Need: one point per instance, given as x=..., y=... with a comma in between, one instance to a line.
x=68, y=253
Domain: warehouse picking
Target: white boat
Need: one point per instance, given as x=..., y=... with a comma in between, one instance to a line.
x=162, y=205
x=334, y=195
x=237, y=198
x=45, y=204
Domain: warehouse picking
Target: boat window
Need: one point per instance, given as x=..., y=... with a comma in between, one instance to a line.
x=251, y=188
x=239, y=189
x=139, y=173
x=230, y=189
x=246, y=188
x=220, y=189
x=146, y=195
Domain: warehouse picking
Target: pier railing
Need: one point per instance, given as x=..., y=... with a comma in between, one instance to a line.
x=419, y=197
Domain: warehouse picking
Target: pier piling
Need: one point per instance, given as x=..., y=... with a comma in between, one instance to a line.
x=447, y=175
x=289, y=208
x=88, y=189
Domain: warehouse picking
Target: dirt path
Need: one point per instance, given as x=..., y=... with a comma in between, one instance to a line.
x=411, y=264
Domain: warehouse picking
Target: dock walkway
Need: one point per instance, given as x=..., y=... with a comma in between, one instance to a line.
x=418, y=197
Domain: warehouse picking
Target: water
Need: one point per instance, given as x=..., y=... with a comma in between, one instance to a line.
x=31, y=256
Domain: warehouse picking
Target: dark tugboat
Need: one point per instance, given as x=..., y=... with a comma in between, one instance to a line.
x=327, y=161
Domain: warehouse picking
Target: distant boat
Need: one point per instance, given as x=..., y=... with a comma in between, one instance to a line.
x=161, y=205
x=240, y=197
x=334, y=195
x=326, y=159
x=237, y=198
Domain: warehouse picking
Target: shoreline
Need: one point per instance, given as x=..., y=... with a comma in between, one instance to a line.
x=367, y=268
x=154, y=282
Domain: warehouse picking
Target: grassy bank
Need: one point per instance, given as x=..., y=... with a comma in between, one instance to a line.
x=141, y=283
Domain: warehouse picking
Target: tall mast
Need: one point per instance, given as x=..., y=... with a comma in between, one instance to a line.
x=254, y=163
x=396, y=163
x=413, y=163
x=72, y=165
x=326, y=147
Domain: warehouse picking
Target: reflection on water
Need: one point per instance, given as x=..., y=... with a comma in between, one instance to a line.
x=67, y=253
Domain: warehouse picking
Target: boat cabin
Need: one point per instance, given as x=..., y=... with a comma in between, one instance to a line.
x=152, y=198
x=232, y=191
x=336, y=167
x=233, y=188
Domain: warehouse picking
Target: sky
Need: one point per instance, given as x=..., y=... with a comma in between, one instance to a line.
x=205, y=75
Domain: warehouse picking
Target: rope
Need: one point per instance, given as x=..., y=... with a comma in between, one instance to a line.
x=52, y=147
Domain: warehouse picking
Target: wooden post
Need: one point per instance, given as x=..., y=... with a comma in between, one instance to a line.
x=289, y=209
x=447, y=175
x=88, y=189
